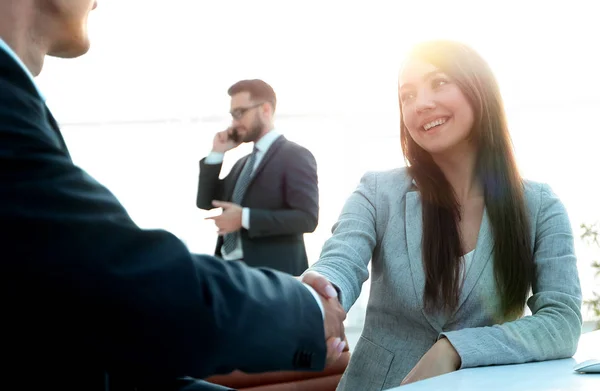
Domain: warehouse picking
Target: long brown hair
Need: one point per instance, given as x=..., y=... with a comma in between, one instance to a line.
x=503, y=188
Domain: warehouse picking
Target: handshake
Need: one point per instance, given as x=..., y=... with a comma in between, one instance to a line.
x=334, y=315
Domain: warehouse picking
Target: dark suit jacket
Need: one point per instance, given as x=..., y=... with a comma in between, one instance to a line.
x=283, y=198
x=90, y=301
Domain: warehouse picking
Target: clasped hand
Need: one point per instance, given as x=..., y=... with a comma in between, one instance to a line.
x=441, y=358
x=334, y=315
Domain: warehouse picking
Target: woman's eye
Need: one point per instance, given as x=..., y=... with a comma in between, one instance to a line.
x=438, y=82
x=407, y=96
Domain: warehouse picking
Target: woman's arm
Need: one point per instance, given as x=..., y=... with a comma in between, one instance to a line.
x=553, y=329
x=347, y=253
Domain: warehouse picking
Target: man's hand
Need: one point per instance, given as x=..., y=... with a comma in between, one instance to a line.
x=223, y=141
x=334, y=328
x=440, y=359
x=230, y=220
x=334, y=314
x=320, y=284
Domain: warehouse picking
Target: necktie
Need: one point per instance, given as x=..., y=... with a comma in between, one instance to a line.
x=230, y=240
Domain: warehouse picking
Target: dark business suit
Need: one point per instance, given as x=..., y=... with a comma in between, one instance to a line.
x=90, y=301
x=283, y=198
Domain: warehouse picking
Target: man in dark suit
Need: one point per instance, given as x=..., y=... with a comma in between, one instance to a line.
x=92, y=302
x=271, y=197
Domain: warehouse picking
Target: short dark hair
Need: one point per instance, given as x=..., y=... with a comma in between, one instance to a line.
x=258, y=89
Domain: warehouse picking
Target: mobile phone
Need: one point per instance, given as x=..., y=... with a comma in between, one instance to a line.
x=233, y=135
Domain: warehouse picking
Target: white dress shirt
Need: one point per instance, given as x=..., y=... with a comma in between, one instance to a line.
x=4, y=46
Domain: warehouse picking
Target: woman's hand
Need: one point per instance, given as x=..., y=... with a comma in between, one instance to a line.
x=441, y=358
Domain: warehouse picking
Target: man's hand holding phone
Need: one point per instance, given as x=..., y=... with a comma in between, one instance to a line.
x=226, y=140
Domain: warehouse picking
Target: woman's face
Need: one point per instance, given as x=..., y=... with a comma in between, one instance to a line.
x=435, y=111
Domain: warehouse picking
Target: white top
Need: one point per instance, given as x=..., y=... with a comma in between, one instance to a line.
x=467, y=261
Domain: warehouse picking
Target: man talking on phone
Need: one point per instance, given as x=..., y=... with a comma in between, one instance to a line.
x=92, y=302
x=270, y=199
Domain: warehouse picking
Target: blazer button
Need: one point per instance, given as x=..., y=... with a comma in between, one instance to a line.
x=303, y=359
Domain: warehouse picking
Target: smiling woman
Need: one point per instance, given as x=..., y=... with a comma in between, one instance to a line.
x=455, y=138
x=423, y=85
x=451, y=238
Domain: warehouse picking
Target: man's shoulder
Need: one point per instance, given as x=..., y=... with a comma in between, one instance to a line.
x=23, y=114
x=18, y=102
x=292, y=147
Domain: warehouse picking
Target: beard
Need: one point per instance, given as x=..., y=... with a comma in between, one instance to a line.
x=254, y=131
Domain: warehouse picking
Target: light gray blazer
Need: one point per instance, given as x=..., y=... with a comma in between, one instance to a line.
x=381, y=221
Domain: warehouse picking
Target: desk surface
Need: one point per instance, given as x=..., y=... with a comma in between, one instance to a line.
x=555, y=375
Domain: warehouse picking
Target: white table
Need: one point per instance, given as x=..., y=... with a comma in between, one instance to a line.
x=555, y=375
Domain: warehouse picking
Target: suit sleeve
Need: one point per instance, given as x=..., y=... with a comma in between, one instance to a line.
x=210, y=186
x=301, y=214
x=554, y=328
x=346, y=255
x=134, y=299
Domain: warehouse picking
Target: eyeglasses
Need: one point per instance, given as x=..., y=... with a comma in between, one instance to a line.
x=238, y=113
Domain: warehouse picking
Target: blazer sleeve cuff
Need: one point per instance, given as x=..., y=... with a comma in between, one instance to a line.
x=342, y=288
x=466, y=346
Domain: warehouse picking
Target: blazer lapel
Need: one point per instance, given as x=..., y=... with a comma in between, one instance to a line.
x=265, y=159
x=483, y=253
x=56, y=129
x=237, y=170
x=414, y=242
x=11, y=70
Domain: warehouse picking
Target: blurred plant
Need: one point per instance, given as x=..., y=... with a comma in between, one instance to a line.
x=590, y=236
